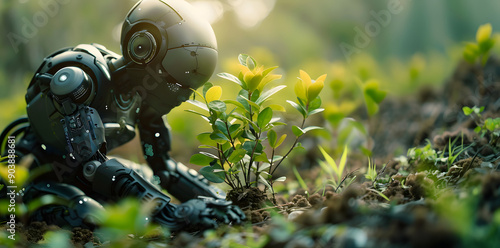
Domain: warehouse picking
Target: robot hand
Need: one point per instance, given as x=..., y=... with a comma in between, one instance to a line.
x=206, y=213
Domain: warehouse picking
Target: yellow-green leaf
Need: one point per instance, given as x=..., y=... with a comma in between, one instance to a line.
x=371, y=89
x=305, y=78
x=282, y=138
x=277, y=107
x=471, y=52
x=213, y=94
x=247, y=77
x=272, y=137
x=483, y=33
x=300, y=90
x=267, y=79
x=314, y=90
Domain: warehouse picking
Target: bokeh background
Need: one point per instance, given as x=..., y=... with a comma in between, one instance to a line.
x=425, y=36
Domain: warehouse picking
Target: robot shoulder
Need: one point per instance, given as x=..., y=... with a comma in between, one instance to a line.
x=89, y=57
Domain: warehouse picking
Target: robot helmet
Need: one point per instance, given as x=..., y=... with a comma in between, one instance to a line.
x=170, y=49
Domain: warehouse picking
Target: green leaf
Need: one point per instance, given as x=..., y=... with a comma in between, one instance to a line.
x=205, y=139
x=264, y=117
x=251, y=63
x=312, y=112
x=268, y=93
x=264, y=167
x=343, y=161
x=491, y=124
x=269, y=70
x=307, y=129
x=200, y=159
x=329, y=160
x=280, y=141
x=217, y=105
x=231, y=78
x=372, y=91
x=235, y=103
x=477, y=129
x=199, y=94
x=206, y=87
x=471, y=52
x=209, y=155
x=244, y=102
x=383, y=196
x=298, y=107
x=197, y=113
x=272, y=137
x=371, y=106
x=198, y=104
x=221, y=126
x=234, y=129
x=244, y=60
x=302, y=184
x=485, y=47
x=210, y=175
x=264, y=181
x=277, y=107
x=249, y=147
x=218, y=137
x=262, y=158
x=253, y=104
x=236, y=156
x=280, y=179
x=248, y=135
x=297, y=131
x=467, y=111
x=314, y=104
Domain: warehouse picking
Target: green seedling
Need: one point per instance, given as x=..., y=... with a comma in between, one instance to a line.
x=489, y=126
x=371, y=173
x=335, y=171
x=479, y=51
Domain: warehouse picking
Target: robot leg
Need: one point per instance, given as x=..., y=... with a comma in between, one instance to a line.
x=61, y=204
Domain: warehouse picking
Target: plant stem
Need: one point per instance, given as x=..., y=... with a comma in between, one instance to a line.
x=251, y=160
x=291, y=148
x=223, y=159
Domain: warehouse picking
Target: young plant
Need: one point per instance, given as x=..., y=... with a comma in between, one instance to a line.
x=489, y=126
x=337, y=113
x=371, y=173
x=479, y=52
x=242, y=126
x=335, y=171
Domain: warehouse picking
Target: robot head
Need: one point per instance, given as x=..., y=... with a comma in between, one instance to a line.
x=169, y=50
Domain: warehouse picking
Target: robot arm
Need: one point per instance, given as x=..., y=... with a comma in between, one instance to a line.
x=176, y=178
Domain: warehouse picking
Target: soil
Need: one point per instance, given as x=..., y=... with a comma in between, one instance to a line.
x=360, y=215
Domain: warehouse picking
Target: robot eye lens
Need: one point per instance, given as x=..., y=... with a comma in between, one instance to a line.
x=142, y=47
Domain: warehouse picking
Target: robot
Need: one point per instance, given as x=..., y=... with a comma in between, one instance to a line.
x=86, y=100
